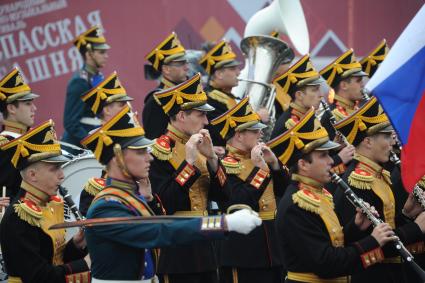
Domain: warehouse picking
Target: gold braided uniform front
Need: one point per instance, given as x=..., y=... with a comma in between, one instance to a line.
x=368, y=175
x=343, y=108
x=223, y=98
x=198, y=192
x=36, y=209
x=314, y=198
x=267, y=201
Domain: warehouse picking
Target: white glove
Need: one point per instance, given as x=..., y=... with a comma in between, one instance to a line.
x=242, y=221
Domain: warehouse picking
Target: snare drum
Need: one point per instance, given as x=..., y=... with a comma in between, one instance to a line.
x=77, y=172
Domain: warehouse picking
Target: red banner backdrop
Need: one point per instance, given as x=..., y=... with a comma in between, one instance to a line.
x=36, y=35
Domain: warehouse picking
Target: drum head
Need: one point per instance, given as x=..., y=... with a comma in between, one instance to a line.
x=77, y=172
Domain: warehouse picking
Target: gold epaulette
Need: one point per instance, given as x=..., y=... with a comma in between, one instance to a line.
x=222, y=98
x=232, y=165
x=94, y=186
x=161, y=149
x=29, y=212
x=361, y=179
x=339, y=113
x=307, y=200
x=3, y=140
x=55, y=200
x=290, y=123
x=328, y=195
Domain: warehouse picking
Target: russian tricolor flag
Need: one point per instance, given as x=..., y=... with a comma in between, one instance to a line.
x=399, y=84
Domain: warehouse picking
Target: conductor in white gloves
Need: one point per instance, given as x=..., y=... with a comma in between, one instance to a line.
x=125, y=252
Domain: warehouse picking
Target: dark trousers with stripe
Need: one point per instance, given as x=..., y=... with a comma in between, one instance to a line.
x=203, y=277
x=251, y=275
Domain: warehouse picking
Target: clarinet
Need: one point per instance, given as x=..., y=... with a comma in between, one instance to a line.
x=333, y=122
x=70, y=202
x=394, y=159
x=418, y=192
x=359, y=203
x=365, y=94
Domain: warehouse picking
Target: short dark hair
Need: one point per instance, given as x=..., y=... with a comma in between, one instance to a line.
x=306, y=156
x=4, y=111
x=83, y=51
x=295, y=89
x=337, y=85
x=174, y=117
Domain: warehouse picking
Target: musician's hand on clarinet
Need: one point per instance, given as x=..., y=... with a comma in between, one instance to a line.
x=4, y=202
x=420, y=220
x=347, y=153
x=411, y=208
x=361, y=219
x=339, y=139
x=79, y=239
x=257, y=157
x=269, y=157
x=192, y=148
x=383, y=233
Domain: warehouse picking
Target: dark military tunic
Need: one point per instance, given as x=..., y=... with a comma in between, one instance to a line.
x=31, y=251
x=373, y=184
x=9, y=175
x=341, y=109
x=75, y=109
x=185, y=189
x=417, y=249
x=118, y=251
x=281, y=103
x=222, y=102
x=154, y=119
x=258, y=251
x=288, y=119
x=313, y=242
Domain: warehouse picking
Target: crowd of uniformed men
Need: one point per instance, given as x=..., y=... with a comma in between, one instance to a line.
x=199, y=145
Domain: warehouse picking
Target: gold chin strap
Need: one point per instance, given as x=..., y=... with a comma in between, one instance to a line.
x=120, y=160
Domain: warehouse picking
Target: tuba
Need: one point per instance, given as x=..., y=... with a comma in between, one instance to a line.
x=284, y=16
x=264, y=54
